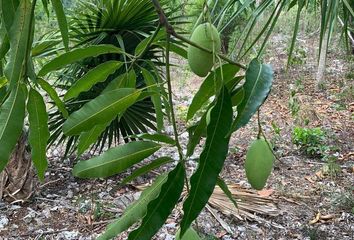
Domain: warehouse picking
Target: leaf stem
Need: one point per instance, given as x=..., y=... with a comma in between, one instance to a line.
x=173, y=118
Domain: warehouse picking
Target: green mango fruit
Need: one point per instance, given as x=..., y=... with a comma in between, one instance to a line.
x=207, y=36
x=259, y=163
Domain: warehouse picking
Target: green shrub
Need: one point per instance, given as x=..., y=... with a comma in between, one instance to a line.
x=311, y=141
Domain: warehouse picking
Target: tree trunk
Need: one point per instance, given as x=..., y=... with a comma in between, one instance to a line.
x=321, y=70
x=17, y=179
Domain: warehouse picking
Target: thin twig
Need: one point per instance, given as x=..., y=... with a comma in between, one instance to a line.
x=50, y=182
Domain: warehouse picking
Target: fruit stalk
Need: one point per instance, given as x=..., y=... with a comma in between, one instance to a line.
x=164, y=22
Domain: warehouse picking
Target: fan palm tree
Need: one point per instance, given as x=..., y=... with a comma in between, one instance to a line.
x=127, y=25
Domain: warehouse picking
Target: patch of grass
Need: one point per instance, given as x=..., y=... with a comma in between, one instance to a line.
x=331, y=167
x=345, y=200
x=298, y=56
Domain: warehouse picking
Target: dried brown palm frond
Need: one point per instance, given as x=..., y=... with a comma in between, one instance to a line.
x=250, y=205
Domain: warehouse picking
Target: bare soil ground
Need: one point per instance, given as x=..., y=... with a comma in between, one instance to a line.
x=310, y=202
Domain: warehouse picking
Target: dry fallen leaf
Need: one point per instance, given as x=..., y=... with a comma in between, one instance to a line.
x=320, y=174
x=221, y=234
x=327, y=217
x=308, y=178
x=316, y=219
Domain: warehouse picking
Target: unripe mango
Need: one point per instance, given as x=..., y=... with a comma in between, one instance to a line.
x=259, y=163
x=207, y=36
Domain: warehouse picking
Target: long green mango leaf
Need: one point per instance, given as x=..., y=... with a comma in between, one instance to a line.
x=221, y=183
x=237, y=96
x=196, y=134
x=43, y=47
x=258, y=83
x=159, y=209
x=135, y=211
x=3, y=95
x=211, y=160
x=100, y=110
x=147, y=168
x=5, y=46
x=115, y=160
x=19, y=37
x=8, y=11
x=54, y=96
x=76, y=55
x=38, y=131
x=207, y=89
x=88, y=138
x=96, y=75
x=62, y=22
x=12, y=114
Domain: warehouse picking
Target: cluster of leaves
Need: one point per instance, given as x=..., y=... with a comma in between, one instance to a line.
x=311, y=141
x=329, y=11
x=20, y=88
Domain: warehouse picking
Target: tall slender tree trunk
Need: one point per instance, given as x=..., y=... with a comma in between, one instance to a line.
x=17, y=179
x=321, y=69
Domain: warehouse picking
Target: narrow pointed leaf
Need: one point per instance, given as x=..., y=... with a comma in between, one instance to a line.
x=196, y=134
x=96, y=75
x=76, y=55
x=258, y=83
x=38, y=131
x=237, y=96
x=156, y=100
x=62, y=22
x=159, y=209
x=100, y=110
x=12, y=114
x=5, y=46
x=115, y=160
x=135, y=211
x=211, y=160
x=8, y=11
x=19, y=37
x=301, y=4
x=221, y=183
x=350, y=9
x=147, y=168
x=54, y=96
x=209, y=87
x=88, y=138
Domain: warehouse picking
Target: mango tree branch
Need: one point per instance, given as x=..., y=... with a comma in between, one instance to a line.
x=164, y=22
